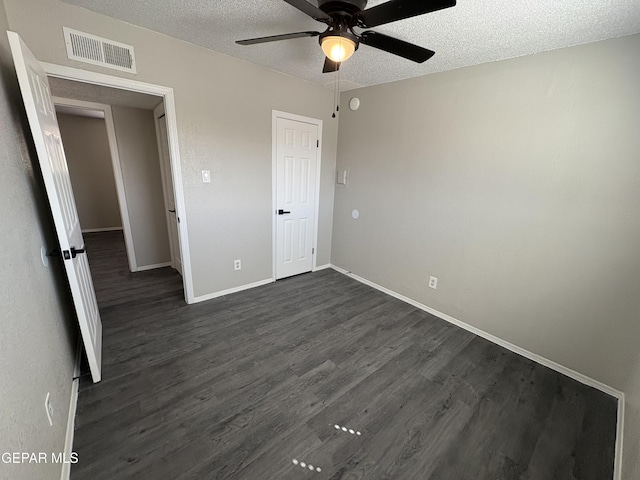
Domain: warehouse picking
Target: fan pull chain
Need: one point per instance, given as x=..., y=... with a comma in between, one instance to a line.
x=336, y=94
x=335, y=86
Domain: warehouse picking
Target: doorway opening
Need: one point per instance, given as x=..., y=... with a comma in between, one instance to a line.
x=114, y=157
x=165, y=147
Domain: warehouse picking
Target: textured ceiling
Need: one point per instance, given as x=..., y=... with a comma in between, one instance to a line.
x=470, y=33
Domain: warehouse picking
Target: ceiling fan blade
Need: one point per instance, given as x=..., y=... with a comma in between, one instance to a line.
x=330, y=65
x=311, y=10
x=275, y=38
x=396, y=46
x=394, y=10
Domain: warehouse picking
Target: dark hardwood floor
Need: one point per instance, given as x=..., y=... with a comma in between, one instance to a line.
x=238, y=387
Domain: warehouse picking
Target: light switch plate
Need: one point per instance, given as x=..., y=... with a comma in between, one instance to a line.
x=342, y=177
x=206, y=176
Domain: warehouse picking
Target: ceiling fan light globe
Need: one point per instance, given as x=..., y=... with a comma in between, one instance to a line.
x=338, y=48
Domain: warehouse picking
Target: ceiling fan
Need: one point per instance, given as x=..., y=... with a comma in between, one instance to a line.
x=339, y=41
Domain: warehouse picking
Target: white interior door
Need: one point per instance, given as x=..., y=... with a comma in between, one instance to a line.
x=296, y=171
x=167, y=184
x=46, y=136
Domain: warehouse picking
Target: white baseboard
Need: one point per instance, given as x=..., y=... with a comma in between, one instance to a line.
x=617, y=466
x=144, y=268
x=203, y=298
x=229, y=291
x=97, y=230
x=341, y=270
x=71, y=419
x=71, y=424
x=584, y=379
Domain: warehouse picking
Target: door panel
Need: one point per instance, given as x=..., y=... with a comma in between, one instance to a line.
x=167, y=183
x=296, y=170
x=46, y=136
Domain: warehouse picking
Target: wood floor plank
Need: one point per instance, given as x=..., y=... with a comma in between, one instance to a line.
x=239, y=386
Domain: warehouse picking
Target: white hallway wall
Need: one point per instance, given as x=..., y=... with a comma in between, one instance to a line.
x=517, y=184
x=223, y=108
x=86, y=147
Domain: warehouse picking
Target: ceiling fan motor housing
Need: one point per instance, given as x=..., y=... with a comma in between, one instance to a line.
x=343, y=13
x=343, y=9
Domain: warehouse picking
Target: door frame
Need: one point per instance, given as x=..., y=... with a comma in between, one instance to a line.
x=275, y=114
x=85, y=76
x=117, y=169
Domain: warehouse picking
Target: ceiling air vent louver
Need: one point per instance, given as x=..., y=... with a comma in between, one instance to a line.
x=88, y=48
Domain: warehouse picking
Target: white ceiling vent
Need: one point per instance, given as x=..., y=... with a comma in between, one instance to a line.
x=88, y=48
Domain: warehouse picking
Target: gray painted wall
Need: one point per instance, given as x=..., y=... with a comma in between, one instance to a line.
x=37, y=339
x=86, y=147
x=138, y=151
x=223, y=108
x=517, y=184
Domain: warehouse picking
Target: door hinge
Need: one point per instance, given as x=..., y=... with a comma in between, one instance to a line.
x=317, y=143
x=313, y=250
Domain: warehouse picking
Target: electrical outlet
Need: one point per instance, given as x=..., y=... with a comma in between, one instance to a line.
x=237, y=264
x=49, y=409
x=433, y=282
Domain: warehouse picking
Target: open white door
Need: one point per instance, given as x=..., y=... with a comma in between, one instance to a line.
x=296, y=170
x=167, y=187
x=46, y=136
